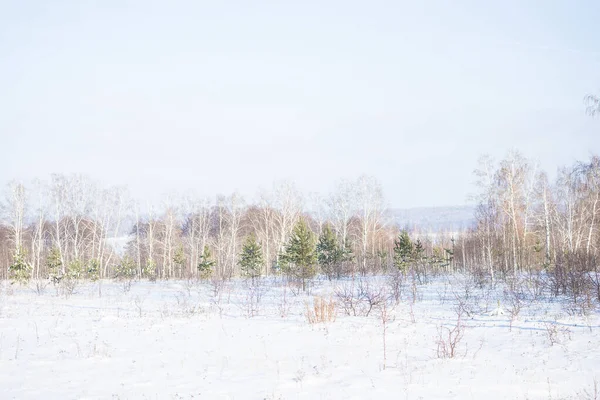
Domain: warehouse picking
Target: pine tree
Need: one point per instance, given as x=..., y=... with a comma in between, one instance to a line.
x=149, y=270
x=329, y=254
x=347, y=253
x=74, y=270
x=19, y=270
x=419, y=250
x=205, y=264
x=179, y=257
x=251, y=259
x=300, y=255
x=403, y=251
x=126, y=270
x=53, y=263
x=93, y=270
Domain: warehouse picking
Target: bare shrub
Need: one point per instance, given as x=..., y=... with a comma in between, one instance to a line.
x=40, y=286
x=443, y=296
x=535, y=283
x=415, y=295
x=419, y=272
x=360, y=297
x=591, y=394
x=192, y=284
x=217, y=286
x=348, y=299
x=294, y=285
x=515, y=296
x=395, y=282
x=126, y=285
x=138, y=302
x=185, y=304
x=253, y=295
x=556, y=334
x=450, y=338
x=373, y=295
x=284, y=305
x=321, y=311
x=463, y=305
x=480, y=277
x=594, y=277
x=572, y=275
x=466, y=300
x=217, y=283
x=582, y=305
x=386, y=317
x=67, y=286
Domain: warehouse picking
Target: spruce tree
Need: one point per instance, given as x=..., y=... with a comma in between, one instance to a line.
x=347, y=253
x=329, y=254
x=300, y=255
x=126, y=270
x=93, y=270
x=74, y=270
x=179, y=258
x=403, y=251
x=53, y=263
x=205, y=264
x=19, y=270
x=149, y=270
x=251, y=259
x=419, y=250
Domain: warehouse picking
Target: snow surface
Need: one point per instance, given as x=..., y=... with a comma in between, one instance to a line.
x=174, y=340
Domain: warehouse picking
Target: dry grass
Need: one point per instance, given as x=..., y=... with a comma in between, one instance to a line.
x=321, y=311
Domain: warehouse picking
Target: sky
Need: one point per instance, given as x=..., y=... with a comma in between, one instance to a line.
x=226, y=96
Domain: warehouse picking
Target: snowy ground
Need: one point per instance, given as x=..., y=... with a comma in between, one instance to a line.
x=175, y=340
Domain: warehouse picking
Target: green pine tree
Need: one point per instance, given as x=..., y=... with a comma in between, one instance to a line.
x=93, y=270
x=74, y=270
x=19, y=270
x=149, y=270
x=347, y=253
x=300, y=256
x=126, y=270
x=403, y=251
x=53, y=263
x=251, y=259
x=329, y=254
x=179, y=258
x=419, y=251
x=206, y=263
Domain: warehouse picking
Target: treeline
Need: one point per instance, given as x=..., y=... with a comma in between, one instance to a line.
x=71, y=227
x=527, y=223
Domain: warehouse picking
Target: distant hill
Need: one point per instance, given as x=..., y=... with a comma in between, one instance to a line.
x=435, y=219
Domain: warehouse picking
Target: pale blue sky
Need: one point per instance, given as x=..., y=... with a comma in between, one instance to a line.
x=218, y=96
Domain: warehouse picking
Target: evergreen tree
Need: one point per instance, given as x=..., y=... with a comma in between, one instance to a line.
x=251, y=259
x=74, y=270
x=93, y=271
x=419, y=250
x=53, y=263
x=149, y=270
x=347, y=253
x=19, y=270
x=206, y=263
x=126, y=270
x=179, y=257
x=300, y=257
x=329, y=254
x=403, y=251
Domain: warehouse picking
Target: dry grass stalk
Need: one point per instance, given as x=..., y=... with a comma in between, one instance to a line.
x=321, y=311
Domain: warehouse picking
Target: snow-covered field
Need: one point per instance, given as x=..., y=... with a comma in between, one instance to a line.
x=177, y=340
